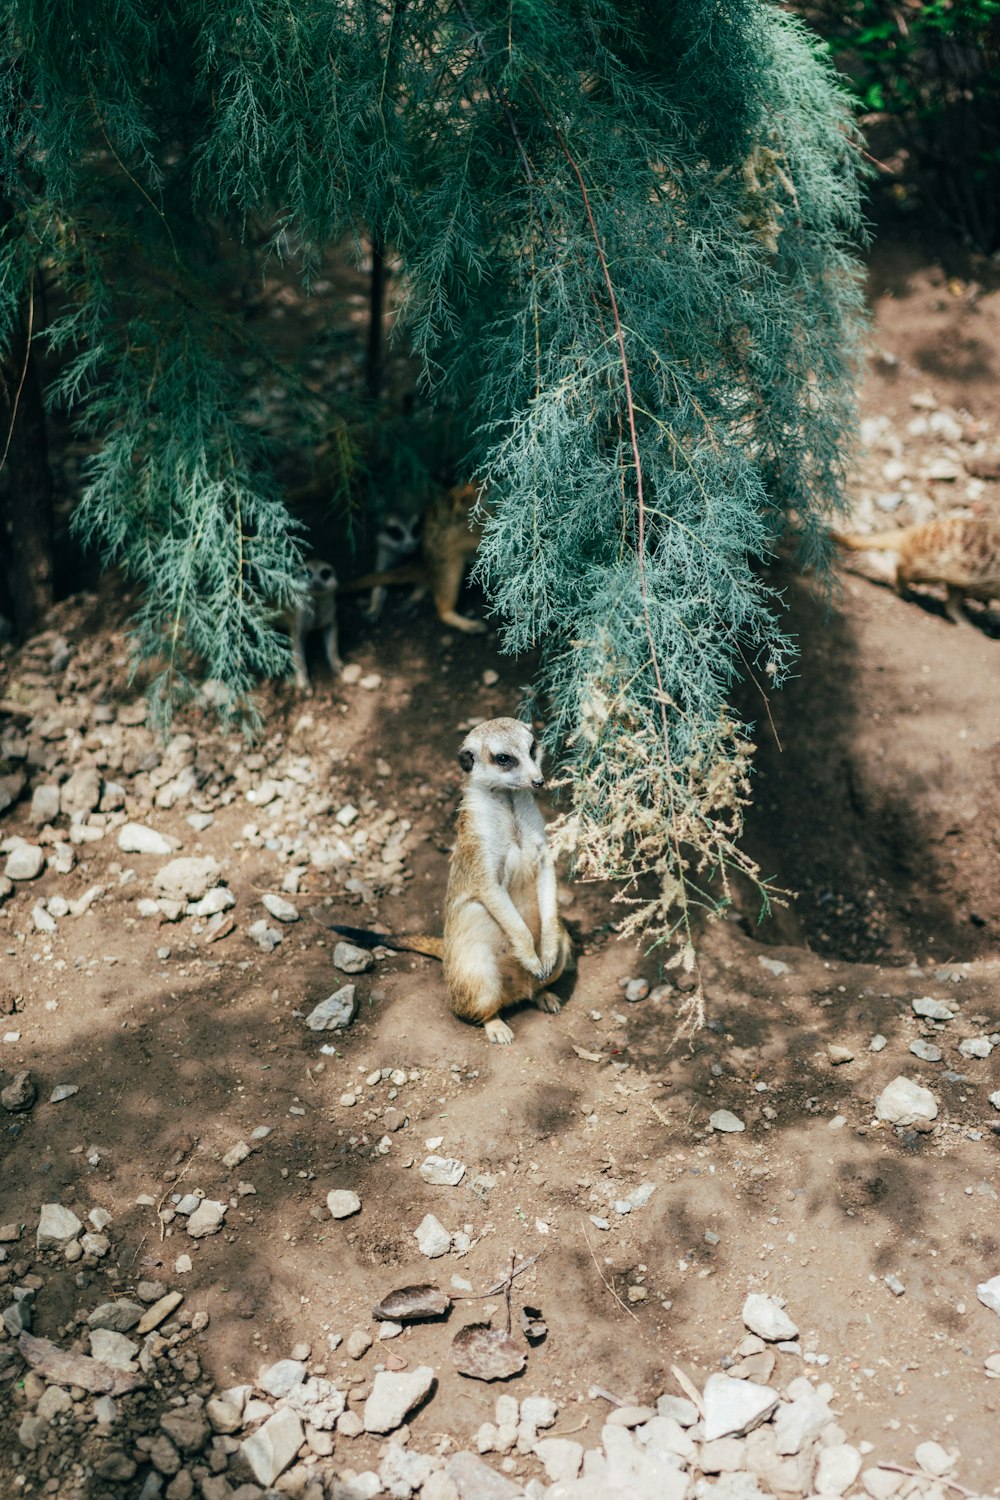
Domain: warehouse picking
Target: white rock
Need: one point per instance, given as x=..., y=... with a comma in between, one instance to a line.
x=837, y=1469
x=113, y=1348
x=352, y=960
x=41, y=920
x=278, y=1379
x=442, y=1171
x=342, y=1203
x=432, y=1237
x=988, y=1293
x=934, y=1010
x=57, y=1227
x=206, y=1219
x=25, y=862
x=765, y=1317
x=774, y=966
x=267, y=938
x=44, y=804
x=280, y=909
x=63, y=1091
x=995, y=1099
x=219, y=899
x=903, y=1102
x=82, y=792
x=271, y=1449
x=975, y=1046
x=401, y=1472
x=394, y=1395
x=934, y=1459
x=561, y=1458
x=881, y=1484
x=53, y=1403
x=926, y=1051
x=733, y=1407
x=187, y=879
x=539, y=1412
x=136, y=838
x=798, y=1421
x=725, y=1121
x=236, y=1154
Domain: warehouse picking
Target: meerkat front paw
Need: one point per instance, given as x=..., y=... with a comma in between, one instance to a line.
x=549, y=953
x=545, y=1000
x=498, y=1031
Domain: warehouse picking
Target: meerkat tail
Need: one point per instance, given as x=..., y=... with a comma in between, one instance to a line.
x=881, y=541
x=407, y=942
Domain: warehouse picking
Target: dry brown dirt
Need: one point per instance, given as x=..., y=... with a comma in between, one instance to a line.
x=881, y=809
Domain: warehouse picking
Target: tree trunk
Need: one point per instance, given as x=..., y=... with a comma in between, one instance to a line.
x=26, y=524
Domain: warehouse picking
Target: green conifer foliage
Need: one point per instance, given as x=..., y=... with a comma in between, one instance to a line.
x=626, y=235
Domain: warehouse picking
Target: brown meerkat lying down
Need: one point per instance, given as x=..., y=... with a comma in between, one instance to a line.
x=960, y=553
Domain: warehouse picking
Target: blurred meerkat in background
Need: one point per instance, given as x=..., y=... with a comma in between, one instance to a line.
x=318, y=611
x=397, y=537
x=451, y=535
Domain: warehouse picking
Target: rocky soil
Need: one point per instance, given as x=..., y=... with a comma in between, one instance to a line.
x=765, y=1264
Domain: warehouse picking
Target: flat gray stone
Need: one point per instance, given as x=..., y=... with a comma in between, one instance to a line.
x=280, y=909
x=442, y=1171
x=57, y=1227
x=767, y=1318
x=734, y=1407
x=725, y=1121
x=926, y=1051
x=342, y=1203
x=975, y=1046
x=933, y=1010
x=475, y=1480
x=903, y=1102
x=334, y=1013
x=352, y=960
x=394, y=1395
x=271, y=1449
x=118, y=1316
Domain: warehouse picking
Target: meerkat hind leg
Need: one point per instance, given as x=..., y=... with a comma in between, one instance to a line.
x=447, y=586
x=498, y=1031
x=545, y=1000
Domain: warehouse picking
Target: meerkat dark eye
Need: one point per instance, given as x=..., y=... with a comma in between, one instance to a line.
x=534, y=749
x=505, y=762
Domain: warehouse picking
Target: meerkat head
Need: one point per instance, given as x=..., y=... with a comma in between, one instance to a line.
x=503, y=755
x=400, y=534
x=320, y=577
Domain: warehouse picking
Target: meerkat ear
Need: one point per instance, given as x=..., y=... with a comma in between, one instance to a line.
x=466, y=759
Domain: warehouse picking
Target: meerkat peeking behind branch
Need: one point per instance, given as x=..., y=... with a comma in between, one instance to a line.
x=397, y=537
x=451, y=536
x=503, y=938
x=318, y=611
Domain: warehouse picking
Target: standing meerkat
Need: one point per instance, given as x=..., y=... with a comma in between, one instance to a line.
x=504, y=940
x=962, y=553
x=398, y=536
x=451, y=535
x=317, y=612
